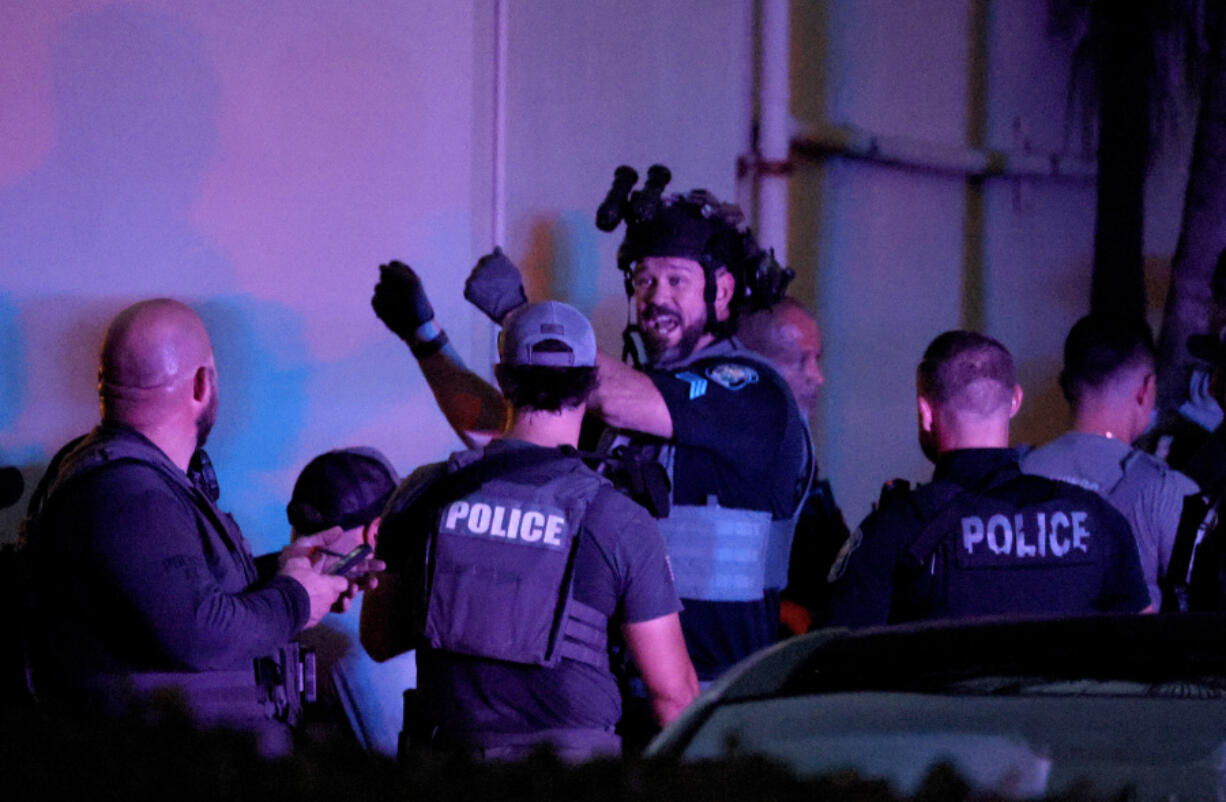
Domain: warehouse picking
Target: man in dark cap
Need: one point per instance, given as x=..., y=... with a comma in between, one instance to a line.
x=347, y=489
x=139, y=580
x=514, y=570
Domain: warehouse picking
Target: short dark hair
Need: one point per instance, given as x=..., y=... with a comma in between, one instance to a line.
x=1098, y=347
x=543, y=388
x=966, y=371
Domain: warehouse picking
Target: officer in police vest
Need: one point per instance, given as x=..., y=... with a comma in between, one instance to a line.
x=982, y=539
x=515, y=570
x=699, y=405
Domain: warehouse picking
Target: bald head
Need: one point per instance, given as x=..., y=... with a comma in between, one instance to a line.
x=153, y=357
x=788, y=336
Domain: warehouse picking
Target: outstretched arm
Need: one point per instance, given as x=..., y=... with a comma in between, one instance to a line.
x=628, y=399
x=474, y=408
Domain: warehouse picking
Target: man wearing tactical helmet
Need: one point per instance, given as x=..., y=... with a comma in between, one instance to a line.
x=699, y=406
x=718, y=416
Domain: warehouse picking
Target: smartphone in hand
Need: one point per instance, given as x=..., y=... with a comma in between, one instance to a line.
x=346, y=565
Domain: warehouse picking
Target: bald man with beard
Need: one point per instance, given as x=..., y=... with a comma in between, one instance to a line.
x=138, y=578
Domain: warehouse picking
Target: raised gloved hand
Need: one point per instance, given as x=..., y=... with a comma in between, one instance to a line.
x=495, y=286
x=400, y=300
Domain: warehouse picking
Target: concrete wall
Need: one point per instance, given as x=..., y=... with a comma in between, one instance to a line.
x=890, y=256
x=595, y=85
x=259, y=160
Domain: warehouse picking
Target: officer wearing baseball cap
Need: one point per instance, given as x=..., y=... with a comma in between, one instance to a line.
x=711, y=414
x=515, y=571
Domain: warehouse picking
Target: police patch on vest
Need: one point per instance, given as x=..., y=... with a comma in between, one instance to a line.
x=505, y=520
x=732, y=376
x=1048, y=538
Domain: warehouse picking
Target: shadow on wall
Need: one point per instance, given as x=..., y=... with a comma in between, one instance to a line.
x=262, y=367
x=564, y=262
x=136, y=104
x=1044, y=415
x=12, y=397
x=103, y=220
x=13, y=361
x=57, y=394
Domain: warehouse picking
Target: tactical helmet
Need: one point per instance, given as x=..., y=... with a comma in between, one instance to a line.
x=698, y=226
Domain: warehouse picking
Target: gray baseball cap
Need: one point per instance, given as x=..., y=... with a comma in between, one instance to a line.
x=526, y=328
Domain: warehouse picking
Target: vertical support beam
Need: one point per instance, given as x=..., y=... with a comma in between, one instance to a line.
x=498, y=185
x=774, y=128
x=1118, y=279
x=974, y=260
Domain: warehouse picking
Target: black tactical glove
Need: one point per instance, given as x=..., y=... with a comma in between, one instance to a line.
x=400, y=300
x=495, y=286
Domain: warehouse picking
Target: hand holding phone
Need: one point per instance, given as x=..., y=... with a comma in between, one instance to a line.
x=353, y=560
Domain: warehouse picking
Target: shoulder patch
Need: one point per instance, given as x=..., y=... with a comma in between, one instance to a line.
x=698, y=385
x=732, y=375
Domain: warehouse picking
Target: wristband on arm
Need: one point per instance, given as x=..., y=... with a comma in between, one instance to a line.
x=427, y=340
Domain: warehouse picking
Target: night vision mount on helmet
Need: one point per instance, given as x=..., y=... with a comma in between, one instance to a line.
x=695, y=225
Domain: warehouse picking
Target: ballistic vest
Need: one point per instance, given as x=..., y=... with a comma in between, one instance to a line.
x=276, y=685
x=499, y=561
x=722, y=553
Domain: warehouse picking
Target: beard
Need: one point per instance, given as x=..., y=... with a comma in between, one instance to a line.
x=659, y=351
x=205, y=421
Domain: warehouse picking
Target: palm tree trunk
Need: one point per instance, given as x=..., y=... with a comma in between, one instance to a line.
x=1118, y=279
x=1203, y=233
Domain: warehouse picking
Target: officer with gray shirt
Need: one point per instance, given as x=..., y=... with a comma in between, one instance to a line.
x=1108, y=380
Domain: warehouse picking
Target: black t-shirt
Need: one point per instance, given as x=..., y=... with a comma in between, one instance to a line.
x=620, y=570
x=738, y=437
x=1013, y=545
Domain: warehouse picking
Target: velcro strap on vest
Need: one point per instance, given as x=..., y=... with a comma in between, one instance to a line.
x=718, y=553
x=779, y=552
x=586, y=636
x=210, y=697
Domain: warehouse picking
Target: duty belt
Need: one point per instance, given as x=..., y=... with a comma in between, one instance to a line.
x=275, y=688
